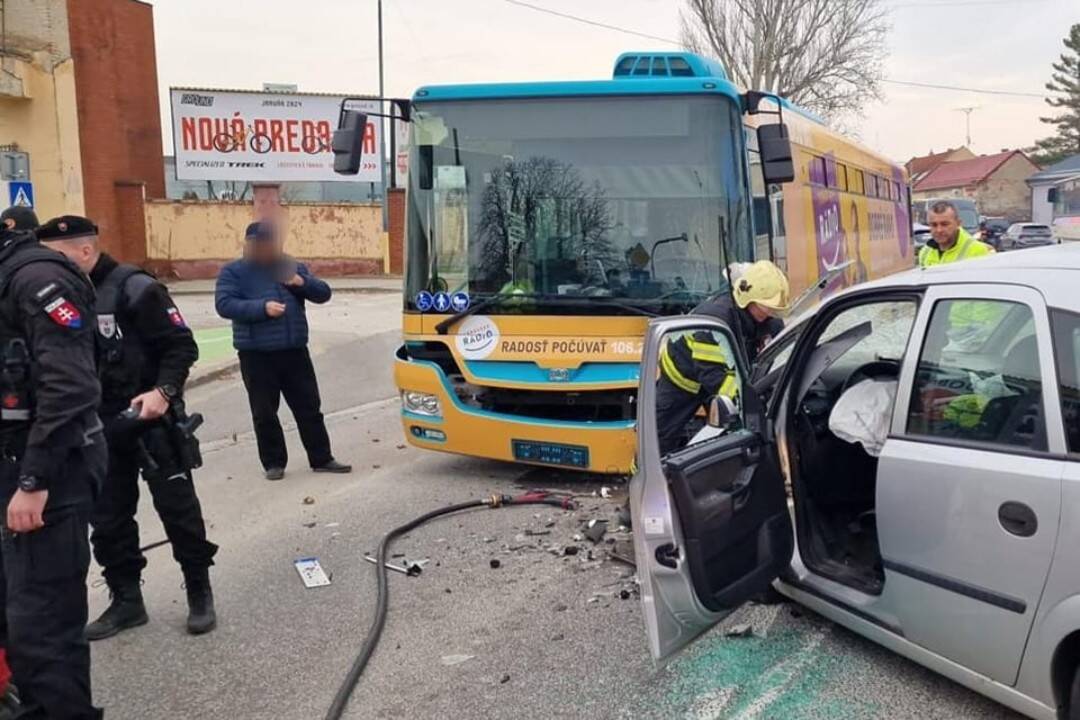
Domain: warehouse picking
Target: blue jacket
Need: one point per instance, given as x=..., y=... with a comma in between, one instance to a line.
x=244, y=288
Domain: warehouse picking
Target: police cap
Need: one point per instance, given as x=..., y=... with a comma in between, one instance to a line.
x=18, y=217
x=66, y=227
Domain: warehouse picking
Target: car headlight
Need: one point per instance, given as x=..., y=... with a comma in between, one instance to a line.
x=421, y=403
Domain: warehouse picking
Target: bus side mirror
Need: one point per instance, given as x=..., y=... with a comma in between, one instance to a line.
x=425, y=160
x=1051, y=195
x=348, y=143
x=777, y=164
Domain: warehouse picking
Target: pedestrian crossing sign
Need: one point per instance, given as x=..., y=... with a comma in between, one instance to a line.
x=21, y=194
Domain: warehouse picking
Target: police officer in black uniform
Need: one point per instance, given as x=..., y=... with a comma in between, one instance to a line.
x=53, y=464
x=145, y=351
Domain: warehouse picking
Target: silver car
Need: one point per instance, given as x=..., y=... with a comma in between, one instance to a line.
x=904, y=461
x=1020, y=236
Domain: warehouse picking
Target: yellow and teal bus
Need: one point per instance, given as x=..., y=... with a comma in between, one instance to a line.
x=546, y=222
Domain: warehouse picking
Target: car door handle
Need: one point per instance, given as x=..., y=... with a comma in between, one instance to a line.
x=1018, y=519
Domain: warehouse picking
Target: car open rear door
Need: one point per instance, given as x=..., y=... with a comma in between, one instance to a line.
x=711, y=521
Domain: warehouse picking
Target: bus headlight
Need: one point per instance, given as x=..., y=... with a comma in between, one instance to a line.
x=421, y=403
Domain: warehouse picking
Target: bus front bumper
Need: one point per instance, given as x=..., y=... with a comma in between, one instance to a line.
x=599, y=447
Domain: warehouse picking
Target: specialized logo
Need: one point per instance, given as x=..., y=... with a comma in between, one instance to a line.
x=459, y=302
x=64, y=313
x=477, y=337
x=176, y=318
x=106, y=325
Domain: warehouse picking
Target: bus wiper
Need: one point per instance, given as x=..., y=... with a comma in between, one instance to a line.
x=492, y=300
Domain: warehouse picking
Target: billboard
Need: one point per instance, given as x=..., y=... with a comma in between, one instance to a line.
x=265, y=136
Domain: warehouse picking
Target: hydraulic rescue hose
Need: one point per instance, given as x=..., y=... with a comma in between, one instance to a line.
x=533, y=497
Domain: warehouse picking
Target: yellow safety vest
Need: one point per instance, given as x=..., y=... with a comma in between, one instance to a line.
x=965, y=247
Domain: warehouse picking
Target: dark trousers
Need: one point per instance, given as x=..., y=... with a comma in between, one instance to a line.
x=43, y=584
x=674, y=409
x=116, y=533
x=270, y=375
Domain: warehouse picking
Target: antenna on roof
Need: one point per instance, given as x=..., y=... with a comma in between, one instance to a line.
x=967, y=111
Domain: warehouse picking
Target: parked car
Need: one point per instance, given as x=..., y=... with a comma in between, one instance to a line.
x=920, y=234
x=991, y=230
x=1026, y=235
x=928, y=427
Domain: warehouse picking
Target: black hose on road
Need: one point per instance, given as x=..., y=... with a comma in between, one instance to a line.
x=341, y=699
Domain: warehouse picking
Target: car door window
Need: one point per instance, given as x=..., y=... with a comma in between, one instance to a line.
x=1066, y=329
x=695, y=366
x=978, y=378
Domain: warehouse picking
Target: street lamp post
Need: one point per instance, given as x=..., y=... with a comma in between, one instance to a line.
x=382, y=132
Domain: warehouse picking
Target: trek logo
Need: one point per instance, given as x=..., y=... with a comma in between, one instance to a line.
x=197, y=100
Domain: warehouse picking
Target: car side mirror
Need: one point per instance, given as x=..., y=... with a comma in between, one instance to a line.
x=722, y=412
x=348, y=143
x=777, y=164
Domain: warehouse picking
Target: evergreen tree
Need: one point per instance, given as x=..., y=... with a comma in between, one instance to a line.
x=1065, y=81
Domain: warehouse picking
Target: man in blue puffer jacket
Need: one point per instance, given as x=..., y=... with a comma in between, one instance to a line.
x=264, y=294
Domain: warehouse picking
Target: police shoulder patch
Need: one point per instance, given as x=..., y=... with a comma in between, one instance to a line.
x=64, y=313
x=176, y=318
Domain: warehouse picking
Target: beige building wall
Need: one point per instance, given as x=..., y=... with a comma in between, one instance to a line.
x=192, y=239
x=38, y=112
x=1005, y=193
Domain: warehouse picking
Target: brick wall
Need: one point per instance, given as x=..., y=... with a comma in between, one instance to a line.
x=1005, y=193
x=396, y=206
x=112, y=42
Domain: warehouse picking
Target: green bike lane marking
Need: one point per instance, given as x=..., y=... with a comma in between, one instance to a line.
x=215, y=344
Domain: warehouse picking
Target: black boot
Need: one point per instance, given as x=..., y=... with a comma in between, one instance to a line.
x=125, y=611
x=201, y=615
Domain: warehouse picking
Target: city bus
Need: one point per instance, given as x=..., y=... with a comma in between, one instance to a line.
x=546, y=222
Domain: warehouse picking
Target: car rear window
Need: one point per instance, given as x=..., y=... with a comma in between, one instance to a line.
x=1066, y=328
x=1036, y=230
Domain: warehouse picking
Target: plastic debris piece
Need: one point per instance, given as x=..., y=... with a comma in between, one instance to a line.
x=309, y=500
x=561, y=608
x=495, y=564
x=451, y=660
x=504, y=679
x=570, y=550
x=605, y=492
x=740, y=630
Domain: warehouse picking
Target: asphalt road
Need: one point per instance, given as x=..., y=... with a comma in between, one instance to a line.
x=544, y=635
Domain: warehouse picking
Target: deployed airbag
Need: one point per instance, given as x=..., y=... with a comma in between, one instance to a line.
x=862, y=414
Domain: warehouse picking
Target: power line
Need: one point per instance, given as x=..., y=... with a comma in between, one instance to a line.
x=912, y=83
x=594, y=23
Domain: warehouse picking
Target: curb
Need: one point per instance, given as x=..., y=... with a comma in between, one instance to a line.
x=211, y=375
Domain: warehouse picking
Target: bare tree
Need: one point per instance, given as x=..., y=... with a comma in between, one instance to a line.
x=826, y=55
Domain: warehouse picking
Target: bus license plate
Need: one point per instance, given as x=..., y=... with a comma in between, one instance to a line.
x=551, y=453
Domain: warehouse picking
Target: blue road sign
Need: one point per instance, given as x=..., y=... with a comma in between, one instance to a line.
x=442, y=302
x=459, y=301
x=21, y=194
x=424, y=301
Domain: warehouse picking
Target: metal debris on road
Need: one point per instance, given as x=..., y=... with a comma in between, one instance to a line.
x=309, y=524
x=495, y=564
x=561, y=608
x=409, y=569
x=505, y=679
x=596, y=530
x=570, y=550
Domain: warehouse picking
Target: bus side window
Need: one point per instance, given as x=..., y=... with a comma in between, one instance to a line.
x=779, y=241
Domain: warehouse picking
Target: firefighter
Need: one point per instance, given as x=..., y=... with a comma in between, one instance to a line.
x=53, y=464
x=145, y=351
x=695, y=367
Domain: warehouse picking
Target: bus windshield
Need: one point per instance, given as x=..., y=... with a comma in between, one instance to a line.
x=619, y=198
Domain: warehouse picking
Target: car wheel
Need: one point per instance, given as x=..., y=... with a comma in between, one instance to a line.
x=1074, y=697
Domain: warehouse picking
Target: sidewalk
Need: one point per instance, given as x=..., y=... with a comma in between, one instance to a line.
x=375, y=284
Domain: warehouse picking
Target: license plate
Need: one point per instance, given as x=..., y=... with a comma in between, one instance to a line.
x=551, y=453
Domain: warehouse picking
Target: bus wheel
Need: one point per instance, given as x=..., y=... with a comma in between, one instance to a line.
x=261, y=143
x=224, y=143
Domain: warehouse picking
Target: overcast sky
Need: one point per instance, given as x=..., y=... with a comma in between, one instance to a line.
x=331, y=46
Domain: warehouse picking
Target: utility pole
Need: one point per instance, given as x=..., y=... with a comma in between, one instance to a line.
x=967, y=112
x=382, y=133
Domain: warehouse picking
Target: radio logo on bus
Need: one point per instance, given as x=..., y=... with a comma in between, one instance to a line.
x=477, y=337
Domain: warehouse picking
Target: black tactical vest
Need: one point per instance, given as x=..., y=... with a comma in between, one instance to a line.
x=17, y=367
x=121, y=358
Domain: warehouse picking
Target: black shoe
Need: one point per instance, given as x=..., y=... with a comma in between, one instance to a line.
x=125, y=611
x=334, y=467
x=275, y=473
x=201, y=615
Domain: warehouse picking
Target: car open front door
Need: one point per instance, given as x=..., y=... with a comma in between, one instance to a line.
x=711, y=521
